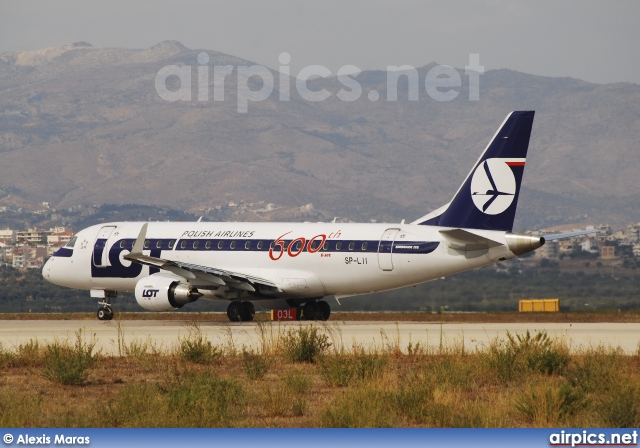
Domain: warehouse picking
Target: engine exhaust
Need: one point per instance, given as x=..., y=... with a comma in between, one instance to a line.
x=521, y=244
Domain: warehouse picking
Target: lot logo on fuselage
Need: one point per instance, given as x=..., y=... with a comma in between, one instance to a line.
x=493, y=185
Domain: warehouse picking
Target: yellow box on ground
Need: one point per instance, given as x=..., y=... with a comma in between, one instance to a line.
x=539, y=306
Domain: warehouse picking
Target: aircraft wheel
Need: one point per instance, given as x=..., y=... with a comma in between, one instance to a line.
x=324, y=310
x=310, y=311
x=248, y=311
x=103, y=313
x=234, y=311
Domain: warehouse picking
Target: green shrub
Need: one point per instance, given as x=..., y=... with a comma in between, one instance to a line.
x=620, y=407
x=137, y=405
x=282, y=402
x=297, y=382
x=28, y=354
x=545, y=405
x=362, y=407
x=337, y=370
x=137, y=349
x=414, y=398
x=369, y=366
x=197, y=349
x=598, y=369
x=68, y=364
x=453, y=371
x=541, y=353
x=6, y=357
x=204, y=400
x=340, y=370
x=256, y=365
x=416, y=349
x=294, y=385
x=305, y=344
x=18, y=410
x=503, y=361
x=521, y=353
x=299, y=406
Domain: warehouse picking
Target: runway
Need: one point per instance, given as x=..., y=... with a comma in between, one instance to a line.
x=164, y=335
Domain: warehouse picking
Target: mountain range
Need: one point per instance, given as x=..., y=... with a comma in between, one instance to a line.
x=85, y=125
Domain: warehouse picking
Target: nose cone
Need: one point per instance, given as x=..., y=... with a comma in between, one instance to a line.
x=58, y=271
x=46, y=269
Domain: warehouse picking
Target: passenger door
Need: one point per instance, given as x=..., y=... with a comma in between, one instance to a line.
x=100, y=249
x=385, y=249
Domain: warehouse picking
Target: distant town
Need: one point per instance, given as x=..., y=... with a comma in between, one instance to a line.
x=29, y=248
x=607, y=244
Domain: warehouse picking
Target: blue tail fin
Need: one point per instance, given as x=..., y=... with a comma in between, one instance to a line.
x=489, y=195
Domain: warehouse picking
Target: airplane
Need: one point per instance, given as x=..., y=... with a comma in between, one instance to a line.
x=297, y=265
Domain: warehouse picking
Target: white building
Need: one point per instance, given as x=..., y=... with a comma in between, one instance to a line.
x=590, y=245
x=59, y=237
x=8, y=235
x=32, y=236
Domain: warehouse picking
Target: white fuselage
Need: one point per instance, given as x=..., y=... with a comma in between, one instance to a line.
x=319, y=260
x=170, y=264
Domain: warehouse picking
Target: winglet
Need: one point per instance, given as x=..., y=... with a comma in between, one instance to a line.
x=138, y=246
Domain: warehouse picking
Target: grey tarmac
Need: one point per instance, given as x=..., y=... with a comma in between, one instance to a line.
x=165, y=334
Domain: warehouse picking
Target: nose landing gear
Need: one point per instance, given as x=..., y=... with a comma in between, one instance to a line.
x=105, y=312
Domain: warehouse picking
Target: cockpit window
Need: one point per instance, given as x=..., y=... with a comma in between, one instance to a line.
x=72, y=242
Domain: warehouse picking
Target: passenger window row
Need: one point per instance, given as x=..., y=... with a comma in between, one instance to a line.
x=196, y=244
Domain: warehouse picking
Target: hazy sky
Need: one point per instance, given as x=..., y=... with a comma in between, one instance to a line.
x=592, y=40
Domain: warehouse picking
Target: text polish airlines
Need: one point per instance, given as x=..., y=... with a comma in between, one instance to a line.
x=286, y=265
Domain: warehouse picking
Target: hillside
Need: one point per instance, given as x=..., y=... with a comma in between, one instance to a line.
x=84, y=125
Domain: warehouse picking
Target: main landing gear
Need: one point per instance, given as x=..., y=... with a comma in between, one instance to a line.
x=240, y=311
x=316, y=311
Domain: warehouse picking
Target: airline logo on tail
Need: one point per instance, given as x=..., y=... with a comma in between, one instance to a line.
x=493, y=185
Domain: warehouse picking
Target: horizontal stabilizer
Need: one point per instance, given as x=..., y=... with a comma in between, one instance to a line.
x=560, y=236
x=464, y=240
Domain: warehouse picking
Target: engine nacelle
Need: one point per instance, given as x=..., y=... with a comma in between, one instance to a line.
x=160, y=293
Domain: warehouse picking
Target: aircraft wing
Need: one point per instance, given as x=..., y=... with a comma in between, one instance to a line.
x=189, y=271
x=559, y=236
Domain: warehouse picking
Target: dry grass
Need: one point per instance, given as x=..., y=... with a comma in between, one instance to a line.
x=524, y=380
